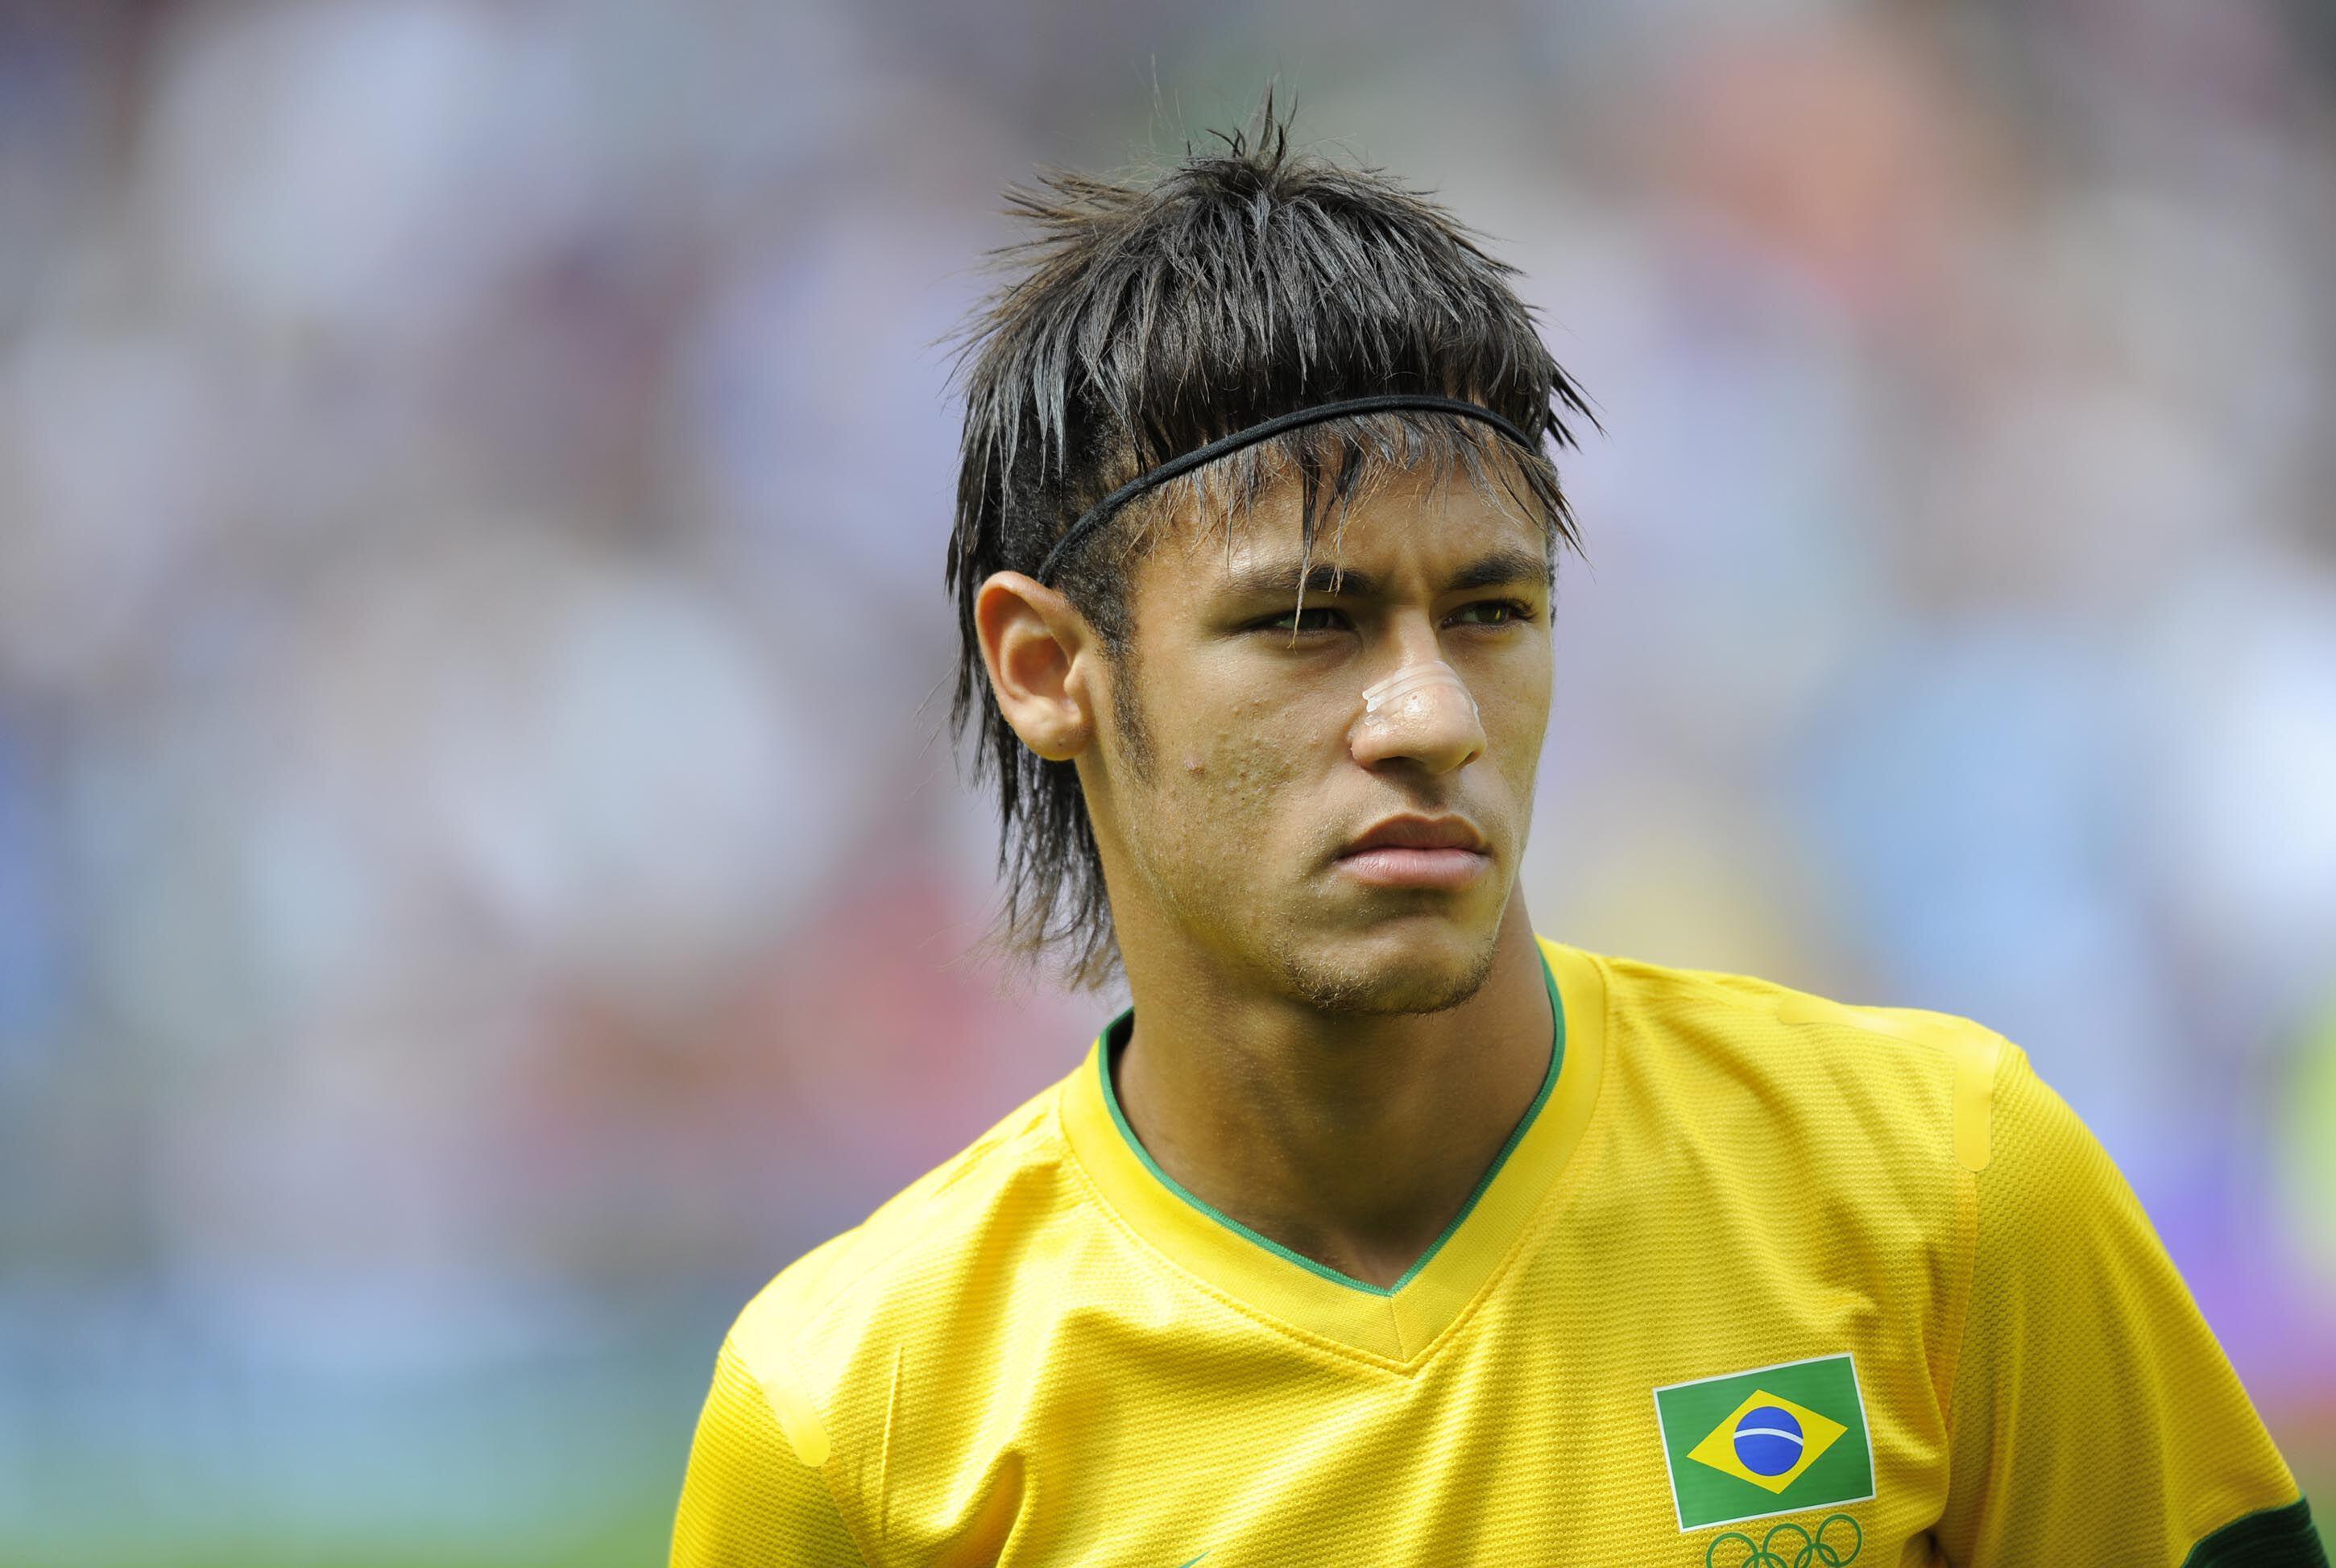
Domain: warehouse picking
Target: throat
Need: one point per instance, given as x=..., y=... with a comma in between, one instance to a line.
x=1358, y=1158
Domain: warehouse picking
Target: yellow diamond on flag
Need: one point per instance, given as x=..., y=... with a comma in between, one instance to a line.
x=1768, y=1441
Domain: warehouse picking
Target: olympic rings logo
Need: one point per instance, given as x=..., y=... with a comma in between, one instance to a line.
x=1809, y=1549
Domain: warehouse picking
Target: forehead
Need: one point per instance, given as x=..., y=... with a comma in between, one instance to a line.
x=1409, y=524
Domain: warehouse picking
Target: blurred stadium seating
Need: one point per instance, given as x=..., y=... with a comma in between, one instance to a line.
x=481, y=884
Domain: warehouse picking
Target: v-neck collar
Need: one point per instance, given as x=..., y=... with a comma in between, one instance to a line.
x=1397, y=1323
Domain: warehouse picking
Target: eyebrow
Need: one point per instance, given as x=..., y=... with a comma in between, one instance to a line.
x=1498, y=569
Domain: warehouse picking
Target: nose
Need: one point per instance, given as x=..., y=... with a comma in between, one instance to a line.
x=1423, y=713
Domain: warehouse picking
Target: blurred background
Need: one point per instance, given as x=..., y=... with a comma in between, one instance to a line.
x=484, y=883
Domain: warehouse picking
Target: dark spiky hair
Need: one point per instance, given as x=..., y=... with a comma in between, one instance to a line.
x=1143, y=319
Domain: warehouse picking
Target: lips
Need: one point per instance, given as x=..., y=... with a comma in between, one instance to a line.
x=1438, y=853
x=1414, y=832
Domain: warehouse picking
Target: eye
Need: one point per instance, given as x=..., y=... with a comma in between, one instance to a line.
x=1313, y=618
x=1491, y=612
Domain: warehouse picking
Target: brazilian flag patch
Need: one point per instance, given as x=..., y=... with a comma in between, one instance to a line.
x=1774, y=1440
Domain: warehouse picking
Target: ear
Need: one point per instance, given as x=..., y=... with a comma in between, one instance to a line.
x=1039, y=651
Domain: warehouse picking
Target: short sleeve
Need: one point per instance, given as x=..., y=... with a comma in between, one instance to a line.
x=749, y=1500
x=2094, y=1418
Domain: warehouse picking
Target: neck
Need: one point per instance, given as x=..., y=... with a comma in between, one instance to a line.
x=1355, y=1142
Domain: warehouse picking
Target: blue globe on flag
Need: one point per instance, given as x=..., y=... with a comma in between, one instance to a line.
x=1767, y=1440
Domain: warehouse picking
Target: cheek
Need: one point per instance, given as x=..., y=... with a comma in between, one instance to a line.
x=1235, y=776
x=1246, y=780
x=1232, y=766
x=1515, y=697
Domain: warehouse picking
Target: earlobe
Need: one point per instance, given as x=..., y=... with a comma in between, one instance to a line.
x=1035, y=645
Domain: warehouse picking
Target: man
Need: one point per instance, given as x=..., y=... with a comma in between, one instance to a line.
x=1378, y=1230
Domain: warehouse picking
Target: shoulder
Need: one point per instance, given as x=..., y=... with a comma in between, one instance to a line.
x=829, y=1319
x=1709, y=1039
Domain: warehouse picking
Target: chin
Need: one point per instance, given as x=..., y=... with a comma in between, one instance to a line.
x=1393, y=972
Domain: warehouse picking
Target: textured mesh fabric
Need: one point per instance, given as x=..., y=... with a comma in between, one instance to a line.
x=2094, y=1418
x=1038, y=1355
x=754, y=1503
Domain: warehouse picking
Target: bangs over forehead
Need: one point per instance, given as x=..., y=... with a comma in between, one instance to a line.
x=1144, y=317
x=1231, y=499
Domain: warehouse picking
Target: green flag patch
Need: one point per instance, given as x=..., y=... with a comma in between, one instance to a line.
x=1774, y=1440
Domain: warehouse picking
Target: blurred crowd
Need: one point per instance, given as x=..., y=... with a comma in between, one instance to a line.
x=485, y=880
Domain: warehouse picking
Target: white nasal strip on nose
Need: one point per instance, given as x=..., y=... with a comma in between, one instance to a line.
x=1410, y=695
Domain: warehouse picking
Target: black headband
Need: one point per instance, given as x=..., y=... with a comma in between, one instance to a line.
x=1098, y=514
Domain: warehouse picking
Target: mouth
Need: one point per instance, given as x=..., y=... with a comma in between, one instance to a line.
x=1414, y=851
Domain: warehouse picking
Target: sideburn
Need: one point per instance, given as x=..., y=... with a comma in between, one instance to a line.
x=1134, y=733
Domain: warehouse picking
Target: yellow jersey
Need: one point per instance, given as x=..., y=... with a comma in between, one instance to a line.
x=1760, y=1280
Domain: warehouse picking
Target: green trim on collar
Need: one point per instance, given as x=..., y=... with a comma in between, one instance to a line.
x=1114, y=1037
x=2267, y=1538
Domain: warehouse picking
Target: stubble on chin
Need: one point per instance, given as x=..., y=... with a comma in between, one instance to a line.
x=1338, y=991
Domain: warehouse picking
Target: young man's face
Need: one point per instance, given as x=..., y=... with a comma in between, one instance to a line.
x=1234, y=821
